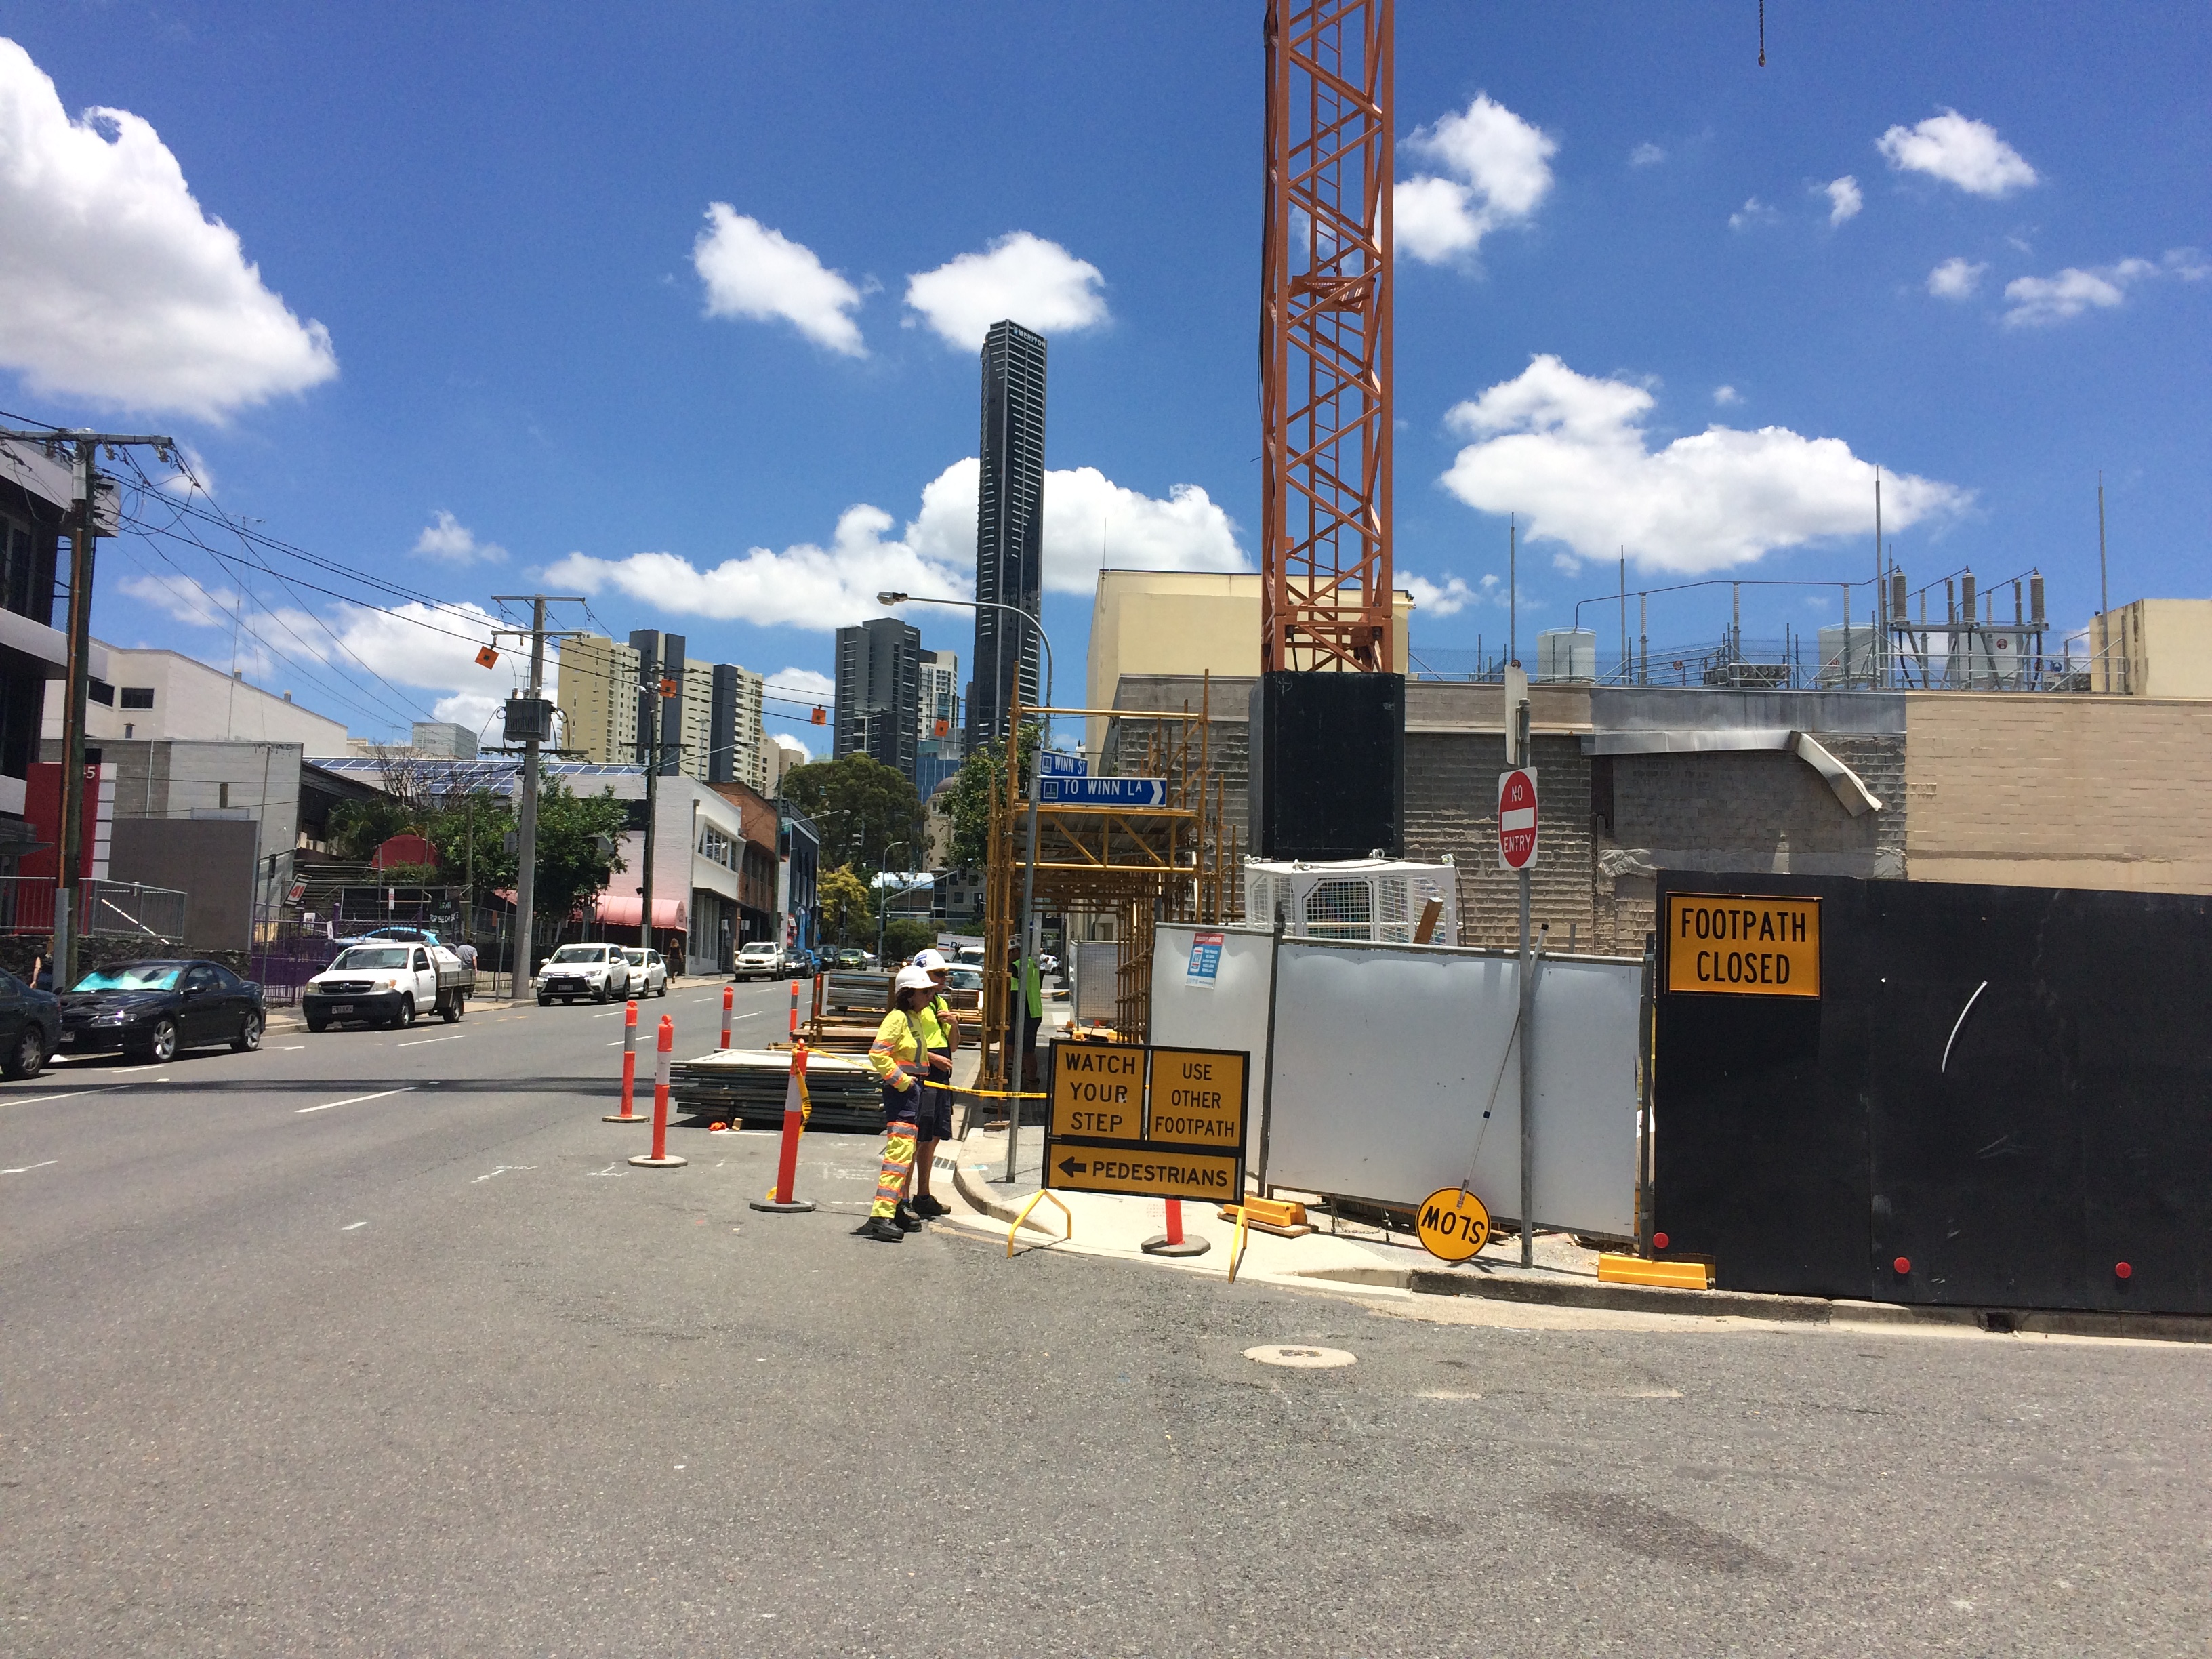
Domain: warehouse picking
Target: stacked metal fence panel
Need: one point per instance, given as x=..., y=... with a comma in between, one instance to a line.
x=746, y=1085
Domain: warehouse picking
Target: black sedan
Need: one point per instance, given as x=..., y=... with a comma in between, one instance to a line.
x=152, y=1008
x=30, y=1027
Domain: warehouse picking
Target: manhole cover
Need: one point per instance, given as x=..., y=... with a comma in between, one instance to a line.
x=1300, y=1358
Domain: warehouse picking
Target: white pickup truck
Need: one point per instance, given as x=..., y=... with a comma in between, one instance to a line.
x=387, y=983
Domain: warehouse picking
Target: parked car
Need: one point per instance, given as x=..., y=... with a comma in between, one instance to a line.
x=600, y=972
x=387, y=983
x=802, y=964
x=851, y=958
x=152, y=1008
x=30, y=1027
x=648, y=973
x=762, y=959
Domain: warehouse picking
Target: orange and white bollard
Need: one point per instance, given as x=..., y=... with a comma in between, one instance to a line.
x=1172, y=1241
x=630, y=1068
x=729, y=1001
x=794, y=1011
x=786, y=1163
x=657, y=1159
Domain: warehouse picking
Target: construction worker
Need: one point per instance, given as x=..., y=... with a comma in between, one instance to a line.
x=895, y=1056
x=940, y=1035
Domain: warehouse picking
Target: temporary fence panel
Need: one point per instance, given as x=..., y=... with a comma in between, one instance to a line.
x=1386, y=1058
x=1091, y=965
x=1227, y=1009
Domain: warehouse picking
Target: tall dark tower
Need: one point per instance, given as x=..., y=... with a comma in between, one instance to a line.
x=1009, y=529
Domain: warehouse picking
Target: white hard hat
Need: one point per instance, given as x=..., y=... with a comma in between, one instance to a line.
x=931, y=961
x=913, y=978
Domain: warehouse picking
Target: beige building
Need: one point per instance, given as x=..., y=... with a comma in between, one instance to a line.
x=1184, y=624
x=2153, y=648
x=597, y=699
x=163, y=696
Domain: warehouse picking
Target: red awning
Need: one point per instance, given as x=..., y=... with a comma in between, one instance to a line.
x=621, y=910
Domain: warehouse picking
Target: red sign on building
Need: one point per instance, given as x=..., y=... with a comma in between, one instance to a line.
x=1516, y=817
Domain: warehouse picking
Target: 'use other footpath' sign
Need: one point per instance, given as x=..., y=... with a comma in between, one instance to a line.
x=1149, y=1122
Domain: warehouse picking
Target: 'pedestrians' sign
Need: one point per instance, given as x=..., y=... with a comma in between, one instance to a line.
x=1103, y=791
x=1516, y=817
x=1147, y=1122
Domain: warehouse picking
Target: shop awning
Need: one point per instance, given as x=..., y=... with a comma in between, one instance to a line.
x=623, y=909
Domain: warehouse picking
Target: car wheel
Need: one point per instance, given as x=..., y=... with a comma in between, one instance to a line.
x=249, y=1034
x=160, y=1043
x=30, y=1056
x=454, y=1008
x=546, y=1002
x=318, y=1022
x=405, y=1017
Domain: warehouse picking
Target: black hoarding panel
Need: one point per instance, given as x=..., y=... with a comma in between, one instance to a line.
x=1761, y=1143
x=1328, y=765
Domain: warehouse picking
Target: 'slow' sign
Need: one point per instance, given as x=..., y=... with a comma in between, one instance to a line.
x=1743, y=944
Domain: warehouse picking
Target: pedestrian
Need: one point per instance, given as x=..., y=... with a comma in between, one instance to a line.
x=42, y=973
x=940, y=1035
x=467, y=953
x=895, y=1056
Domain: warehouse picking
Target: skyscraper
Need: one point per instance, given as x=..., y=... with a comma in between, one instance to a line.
x=878, y=692
x=1009, y=529
x=659, y=657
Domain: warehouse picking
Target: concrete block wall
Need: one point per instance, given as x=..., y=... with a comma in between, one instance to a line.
x=1451, y=807
x=1762, y=809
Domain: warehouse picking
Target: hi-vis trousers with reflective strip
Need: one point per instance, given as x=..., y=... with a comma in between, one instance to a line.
x=899, y=1109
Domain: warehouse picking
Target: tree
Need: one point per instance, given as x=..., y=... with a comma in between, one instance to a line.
x=904, y=935
x=358, y=828
x=844, y=898
x=862, y=809
x=470, y=832
x=970, y=794
x=571, y=867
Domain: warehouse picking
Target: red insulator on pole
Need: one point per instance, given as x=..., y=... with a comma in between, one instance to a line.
x=658, y=1159
x=628, y=1115
x=794, y=1120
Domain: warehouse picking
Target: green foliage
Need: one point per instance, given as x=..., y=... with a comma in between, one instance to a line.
x=862, y=808
x=358, y=828
x=970, y=797
x=470, y=832
x=843, y=899
x=904, y=935
x=571, y=869
x=470, y=836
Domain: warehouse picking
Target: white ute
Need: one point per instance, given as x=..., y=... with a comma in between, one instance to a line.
x=387, y=983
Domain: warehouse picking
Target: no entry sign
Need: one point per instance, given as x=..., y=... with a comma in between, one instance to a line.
x=1516, y=817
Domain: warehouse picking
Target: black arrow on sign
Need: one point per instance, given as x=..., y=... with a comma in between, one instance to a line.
x=1071, y=1168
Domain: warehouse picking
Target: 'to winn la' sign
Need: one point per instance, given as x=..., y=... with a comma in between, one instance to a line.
x=1516, y=817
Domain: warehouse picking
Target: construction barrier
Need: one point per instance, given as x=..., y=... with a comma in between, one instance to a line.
x=659, y=1157
x=729, y=1001
x=628, y=1115
x=794, y=1011
x=781, y=1201
x=1172, y=1241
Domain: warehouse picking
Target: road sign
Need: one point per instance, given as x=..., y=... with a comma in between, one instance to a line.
x=1516, y=817
x=1743, y=944
x=1103, y=791
x=1051, y=763
x=1149, y=1122
x=1452, y=1225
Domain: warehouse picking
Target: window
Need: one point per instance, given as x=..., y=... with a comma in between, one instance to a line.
x=422, y=960
x=137, y=696
x=200, y=979
x=100, y=691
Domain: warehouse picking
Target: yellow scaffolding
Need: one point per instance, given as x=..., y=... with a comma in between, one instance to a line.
x=1143, y=865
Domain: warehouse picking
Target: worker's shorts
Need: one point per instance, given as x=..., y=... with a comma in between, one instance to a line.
x=933, y=1118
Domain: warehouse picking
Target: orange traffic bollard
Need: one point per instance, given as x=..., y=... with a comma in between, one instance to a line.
x=1172, y=1242
x=794, y=1011
x=786, y=1163
x=657, y=1159
x=729, y=1000
x=630, y=1068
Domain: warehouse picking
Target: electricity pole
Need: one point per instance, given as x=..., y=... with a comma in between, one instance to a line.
x=535, y=728
x=84, y=529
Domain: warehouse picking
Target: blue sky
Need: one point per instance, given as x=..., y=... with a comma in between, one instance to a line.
x=494, y=226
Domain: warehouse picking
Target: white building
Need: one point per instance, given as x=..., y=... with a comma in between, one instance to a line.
x=155, y=696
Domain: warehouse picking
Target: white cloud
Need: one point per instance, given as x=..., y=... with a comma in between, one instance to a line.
x=1450, y=598
x=802, y=683
x=184, y=599
x=1753, y=211
x=1725, y=395
x=1646, y=154
x=1037, y=283
x=1959, y=151
x=2036, y=300
x=114, y=286
x=446, y=538
x=751, y=271
x=1569, y=453
x=1843, y=198
x=1956, y=278
x=1566, y=564
x=1495, y=171
x=812, y=586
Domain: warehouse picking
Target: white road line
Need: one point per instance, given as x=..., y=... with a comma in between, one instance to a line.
x=294, y=1048
x=419, y=1042
x=353, y=1100
x=65, y=1094
x=611, y=1013
x=28, y=1168
x=125, y=1071
x=351, y=1226
x=755, y=1014
x=502, y=1169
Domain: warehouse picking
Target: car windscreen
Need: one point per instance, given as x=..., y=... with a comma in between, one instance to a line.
x=758, y=951
x=132, y=976
x=634, y=956
x=362, y=959
x=580, y=953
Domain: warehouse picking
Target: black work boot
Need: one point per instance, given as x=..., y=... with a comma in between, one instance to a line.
x=882, y=1229
x=905, y=1219
x=926, y=1205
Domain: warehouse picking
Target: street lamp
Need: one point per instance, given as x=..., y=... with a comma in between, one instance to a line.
x=883, y=909
x=1029, y=870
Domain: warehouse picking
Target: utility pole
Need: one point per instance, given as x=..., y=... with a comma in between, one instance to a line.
x=2103, y=599
x=537, y=727
x=1516, y=739
x=84, y=529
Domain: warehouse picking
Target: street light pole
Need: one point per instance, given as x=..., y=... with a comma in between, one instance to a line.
x=1018, y=1019
x=883, y=910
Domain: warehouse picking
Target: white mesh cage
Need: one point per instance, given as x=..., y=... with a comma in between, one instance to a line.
x=1370, y=900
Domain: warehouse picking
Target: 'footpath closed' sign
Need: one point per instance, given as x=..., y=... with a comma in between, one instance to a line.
x=1743, y=944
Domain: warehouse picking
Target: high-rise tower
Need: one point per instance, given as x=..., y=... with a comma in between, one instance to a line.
x=1009, y=529
x=879, y=690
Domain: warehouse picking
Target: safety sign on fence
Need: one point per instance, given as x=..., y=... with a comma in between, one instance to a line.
x=1743, y=944
x=1148, y=1123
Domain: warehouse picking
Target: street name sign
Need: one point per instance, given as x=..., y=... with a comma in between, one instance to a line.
x=1103, y=791
x=1743, y=944
x=1516, y=817
x=1147, y=1122
x=1052, y=763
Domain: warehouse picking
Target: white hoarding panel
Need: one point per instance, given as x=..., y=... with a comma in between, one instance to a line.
x=1226, y=1008
x=1386, y=1058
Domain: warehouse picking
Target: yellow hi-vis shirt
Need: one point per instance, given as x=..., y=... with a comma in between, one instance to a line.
x=930, y=1023
x=891, y=1056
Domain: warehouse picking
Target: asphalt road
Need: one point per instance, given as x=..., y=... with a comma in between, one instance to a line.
x=435, y=1370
